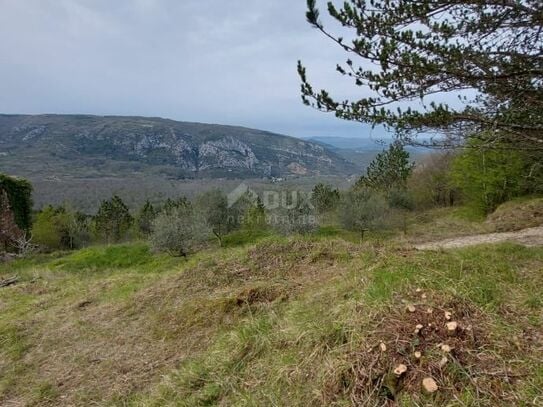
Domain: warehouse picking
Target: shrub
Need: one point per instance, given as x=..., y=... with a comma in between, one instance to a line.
x=294, y=216
x=254, y=218
x=60, y=228
x=363, y=210
x=401, y=202
x=178, y=231
x=489, y=177
x=431, y=184
x=213, y=206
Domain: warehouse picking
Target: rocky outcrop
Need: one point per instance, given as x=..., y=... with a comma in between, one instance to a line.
x=180, y=148
x=226, y=153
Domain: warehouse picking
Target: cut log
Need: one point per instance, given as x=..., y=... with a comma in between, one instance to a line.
x=400, y=370
x=9, y=281
x=446, y=348
x=429, y=385
x=452, y=327
x=443, y=362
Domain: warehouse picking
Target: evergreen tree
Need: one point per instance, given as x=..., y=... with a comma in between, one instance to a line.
x=145, y=218
x=19, y=193
x=408, y=50
x=388, y=171
x=10, y=232
x=255, y=217
x=324, y=198
x=489, y=177
x=179, y=203
x=113, y=219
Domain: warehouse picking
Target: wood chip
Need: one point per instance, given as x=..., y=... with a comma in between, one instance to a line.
x=400, y=370
x=446, y=348
x=383, y=347
x=418, y=328
x=429, y=385
x=451, y=328
x=448, y=315
x=418, y=355
x=429, y=310
x=411, y=308
x=443, y=362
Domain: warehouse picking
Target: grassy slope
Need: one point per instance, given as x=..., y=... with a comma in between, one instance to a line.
x=282, y=322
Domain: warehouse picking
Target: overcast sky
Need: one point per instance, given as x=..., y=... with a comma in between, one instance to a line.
x=218, y=61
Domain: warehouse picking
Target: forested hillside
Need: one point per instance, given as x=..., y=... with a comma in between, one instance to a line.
x=93, y=146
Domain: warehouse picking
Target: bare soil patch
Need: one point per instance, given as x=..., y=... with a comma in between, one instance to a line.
x=526, y=237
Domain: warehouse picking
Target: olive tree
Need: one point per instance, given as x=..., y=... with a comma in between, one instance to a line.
x=214, y=207
x=178, y=231
x=362, y=210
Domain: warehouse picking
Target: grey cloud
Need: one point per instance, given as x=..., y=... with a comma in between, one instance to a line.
x=231, y=62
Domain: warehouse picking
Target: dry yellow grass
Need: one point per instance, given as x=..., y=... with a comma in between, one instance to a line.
x=281, y=322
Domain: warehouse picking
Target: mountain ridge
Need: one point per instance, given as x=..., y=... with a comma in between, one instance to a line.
x=177, y=149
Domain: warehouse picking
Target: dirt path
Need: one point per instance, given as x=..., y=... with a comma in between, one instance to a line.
x=526, y=237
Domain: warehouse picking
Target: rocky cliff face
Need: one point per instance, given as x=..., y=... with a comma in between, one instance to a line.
x=188, y=149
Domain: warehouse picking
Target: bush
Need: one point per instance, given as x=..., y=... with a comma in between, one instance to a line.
x=213, y=205
x=363, y=210
x=401, y=202
x=60, y=228
x=254, y=218
x=431, y=184
x=302, y=219
x=489, y=177
x=178, y=231
x=294, y=216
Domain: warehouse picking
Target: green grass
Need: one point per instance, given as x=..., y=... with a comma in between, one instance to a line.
x=106, y=257
x=283, y=321
x=245, y=237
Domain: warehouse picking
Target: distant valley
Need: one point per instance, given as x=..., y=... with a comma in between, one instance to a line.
x=86, y=158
